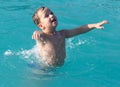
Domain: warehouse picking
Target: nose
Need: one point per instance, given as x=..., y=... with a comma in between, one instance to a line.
x=51, y=15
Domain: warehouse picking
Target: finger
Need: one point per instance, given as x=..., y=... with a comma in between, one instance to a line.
x=105, y=22
x=39, y=35
x=36, y=37
x=100, y=27
x=101, y=23
x=33, y=37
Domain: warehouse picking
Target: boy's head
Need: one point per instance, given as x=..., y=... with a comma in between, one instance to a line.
x=45, y=19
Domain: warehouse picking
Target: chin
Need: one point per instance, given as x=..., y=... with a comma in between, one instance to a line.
x=55, y=25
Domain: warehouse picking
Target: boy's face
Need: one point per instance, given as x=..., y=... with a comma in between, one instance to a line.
x=48, y=20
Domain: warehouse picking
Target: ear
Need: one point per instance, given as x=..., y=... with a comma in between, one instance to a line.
x=41, y=26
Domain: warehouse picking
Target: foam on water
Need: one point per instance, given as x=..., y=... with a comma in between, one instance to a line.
x=23, y=52
x=30, y=55
x=77, y=41
x=34, y=52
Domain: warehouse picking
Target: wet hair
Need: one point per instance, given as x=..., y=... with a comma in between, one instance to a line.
x=35, y=16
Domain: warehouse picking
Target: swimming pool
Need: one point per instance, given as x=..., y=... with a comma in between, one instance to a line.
x=93, y=59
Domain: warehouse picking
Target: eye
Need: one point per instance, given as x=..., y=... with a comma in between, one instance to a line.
x=46, y=15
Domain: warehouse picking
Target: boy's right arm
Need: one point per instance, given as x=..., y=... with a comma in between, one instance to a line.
x=38, y=36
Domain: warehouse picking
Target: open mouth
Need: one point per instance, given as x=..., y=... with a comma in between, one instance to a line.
x=54, y=20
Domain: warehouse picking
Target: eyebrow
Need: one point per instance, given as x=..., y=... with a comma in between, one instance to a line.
x=45, y=11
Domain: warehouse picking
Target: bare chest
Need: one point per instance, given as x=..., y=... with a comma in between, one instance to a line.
x=55, y=41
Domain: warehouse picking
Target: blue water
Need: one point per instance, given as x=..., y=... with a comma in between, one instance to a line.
x=93, y=58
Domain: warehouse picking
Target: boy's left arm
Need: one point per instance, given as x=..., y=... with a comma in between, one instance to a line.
x=84, y=29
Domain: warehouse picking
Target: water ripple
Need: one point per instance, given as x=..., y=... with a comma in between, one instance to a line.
x=14, y=8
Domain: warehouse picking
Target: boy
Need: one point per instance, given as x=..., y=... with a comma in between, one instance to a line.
x=51, y=42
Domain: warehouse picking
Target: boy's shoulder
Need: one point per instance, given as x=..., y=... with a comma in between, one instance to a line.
x=39, y=32
x=62, y=32
x=37, y=35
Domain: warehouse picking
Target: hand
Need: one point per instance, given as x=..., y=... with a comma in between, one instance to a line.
x=36, y=35
x=99, y=25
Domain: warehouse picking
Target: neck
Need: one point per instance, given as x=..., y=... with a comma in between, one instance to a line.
x=50, y=33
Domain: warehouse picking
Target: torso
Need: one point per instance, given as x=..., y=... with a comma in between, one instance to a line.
x=52, y=49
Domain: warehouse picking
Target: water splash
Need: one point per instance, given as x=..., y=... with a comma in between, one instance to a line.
x=30, y=55
x=34, y=52
x=8, y=52
x=23, y=52
x=75, y=42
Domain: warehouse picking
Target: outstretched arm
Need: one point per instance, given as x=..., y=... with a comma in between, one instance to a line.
x=84, y=29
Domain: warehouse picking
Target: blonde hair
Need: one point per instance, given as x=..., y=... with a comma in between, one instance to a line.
x=35, y=16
